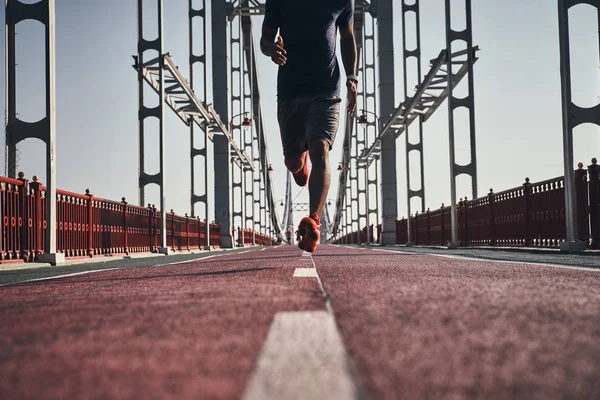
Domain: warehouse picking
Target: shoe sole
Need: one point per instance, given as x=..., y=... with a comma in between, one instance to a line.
x=306, y=231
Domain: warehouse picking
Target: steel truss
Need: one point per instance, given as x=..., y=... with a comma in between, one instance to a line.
x=429, y=96
x=356, y=182
x=256, y=188
x=180, y=97
x=573, y=116
x=163, y=76
x=446, y=72
x=18, y=130
x=259, y=143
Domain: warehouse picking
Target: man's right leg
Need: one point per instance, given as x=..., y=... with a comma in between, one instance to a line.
x=291, y=115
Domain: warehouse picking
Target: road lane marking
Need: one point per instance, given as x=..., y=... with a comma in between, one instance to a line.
x=302, y=358
x=474, y=258
x=58, y=276
x=305, y=273
x=113, y=269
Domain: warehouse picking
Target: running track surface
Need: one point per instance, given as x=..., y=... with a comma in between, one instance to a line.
x=413, y=325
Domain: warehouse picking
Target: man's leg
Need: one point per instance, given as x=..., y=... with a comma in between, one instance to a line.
x=320, y=177
x=298, y=166
x=322, y=121
x=290, y=115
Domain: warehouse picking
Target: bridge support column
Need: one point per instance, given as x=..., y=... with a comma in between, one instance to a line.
x=221, y=97
x=155, y=112
x=468, y=102
x=202, y=150
x=414, y=145
x=45, y=129
x=389, y=191
x=572, y=117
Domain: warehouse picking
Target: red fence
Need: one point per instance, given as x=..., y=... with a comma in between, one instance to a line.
x=88, y=226
x=245, y=237
x=532, y=214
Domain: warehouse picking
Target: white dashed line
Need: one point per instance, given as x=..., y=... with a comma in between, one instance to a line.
x=305, y=273
x=303, y=358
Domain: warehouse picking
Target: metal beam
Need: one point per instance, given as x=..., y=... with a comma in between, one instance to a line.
x=429, y=96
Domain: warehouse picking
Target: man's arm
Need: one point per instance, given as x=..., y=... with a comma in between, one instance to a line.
x=349, y=56
x=270, y=48
x=348, y=49
x=271, y=24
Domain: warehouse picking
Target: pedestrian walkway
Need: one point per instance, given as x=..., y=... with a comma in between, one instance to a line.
x=278, y=323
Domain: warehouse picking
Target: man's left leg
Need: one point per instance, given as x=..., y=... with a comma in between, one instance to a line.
x=322, y=124
x=320, y=179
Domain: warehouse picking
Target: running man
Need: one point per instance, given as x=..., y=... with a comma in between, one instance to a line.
x=308, y=90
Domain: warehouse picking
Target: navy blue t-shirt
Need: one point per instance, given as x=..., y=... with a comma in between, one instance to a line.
x=308, y=29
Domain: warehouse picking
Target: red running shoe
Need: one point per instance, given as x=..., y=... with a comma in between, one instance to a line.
x=301, y=177
x=309, y=232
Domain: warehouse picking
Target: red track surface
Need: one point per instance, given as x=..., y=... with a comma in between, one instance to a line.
x=183, y=331
x=415, y=326
x=425, y=327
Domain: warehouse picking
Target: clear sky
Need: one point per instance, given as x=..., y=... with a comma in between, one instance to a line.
x=517, y=93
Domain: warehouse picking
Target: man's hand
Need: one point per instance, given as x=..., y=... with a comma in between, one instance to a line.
x=352, y=95
x=276, y=52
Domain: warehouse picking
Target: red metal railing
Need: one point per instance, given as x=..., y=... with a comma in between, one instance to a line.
x=532, y=214
x=88, y=226
x=243, y=237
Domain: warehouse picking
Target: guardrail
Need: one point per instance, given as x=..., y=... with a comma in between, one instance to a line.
x=89, y=226
x=530, y=215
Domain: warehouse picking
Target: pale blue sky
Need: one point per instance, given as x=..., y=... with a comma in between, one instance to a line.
x=517, y=92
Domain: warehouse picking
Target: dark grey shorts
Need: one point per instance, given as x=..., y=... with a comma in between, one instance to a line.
x=307, y=117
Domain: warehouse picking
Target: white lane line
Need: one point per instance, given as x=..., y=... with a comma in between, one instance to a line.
x=303, y=358
x=497, y=261
x=59, y=276
x=305, y=273
x=110, y=269
x=205, y=258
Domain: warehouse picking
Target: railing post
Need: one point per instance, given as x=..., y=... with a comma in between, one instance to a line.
x=465, y=208
x=527, y=211
x=581, y=199
x=416, y=232
x=173, y=232
x=428, y=227
x=90, y=223
x=150, y=228
x=125, y=227
x=200, y=244
x=492, y=224
x=187, y=232
x=38, y=217
x=443, y=226
x=24, y=218
x=594, y=198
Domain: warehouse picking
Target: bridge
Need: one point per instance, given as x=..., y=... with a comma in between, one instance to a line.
x=424, y=286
